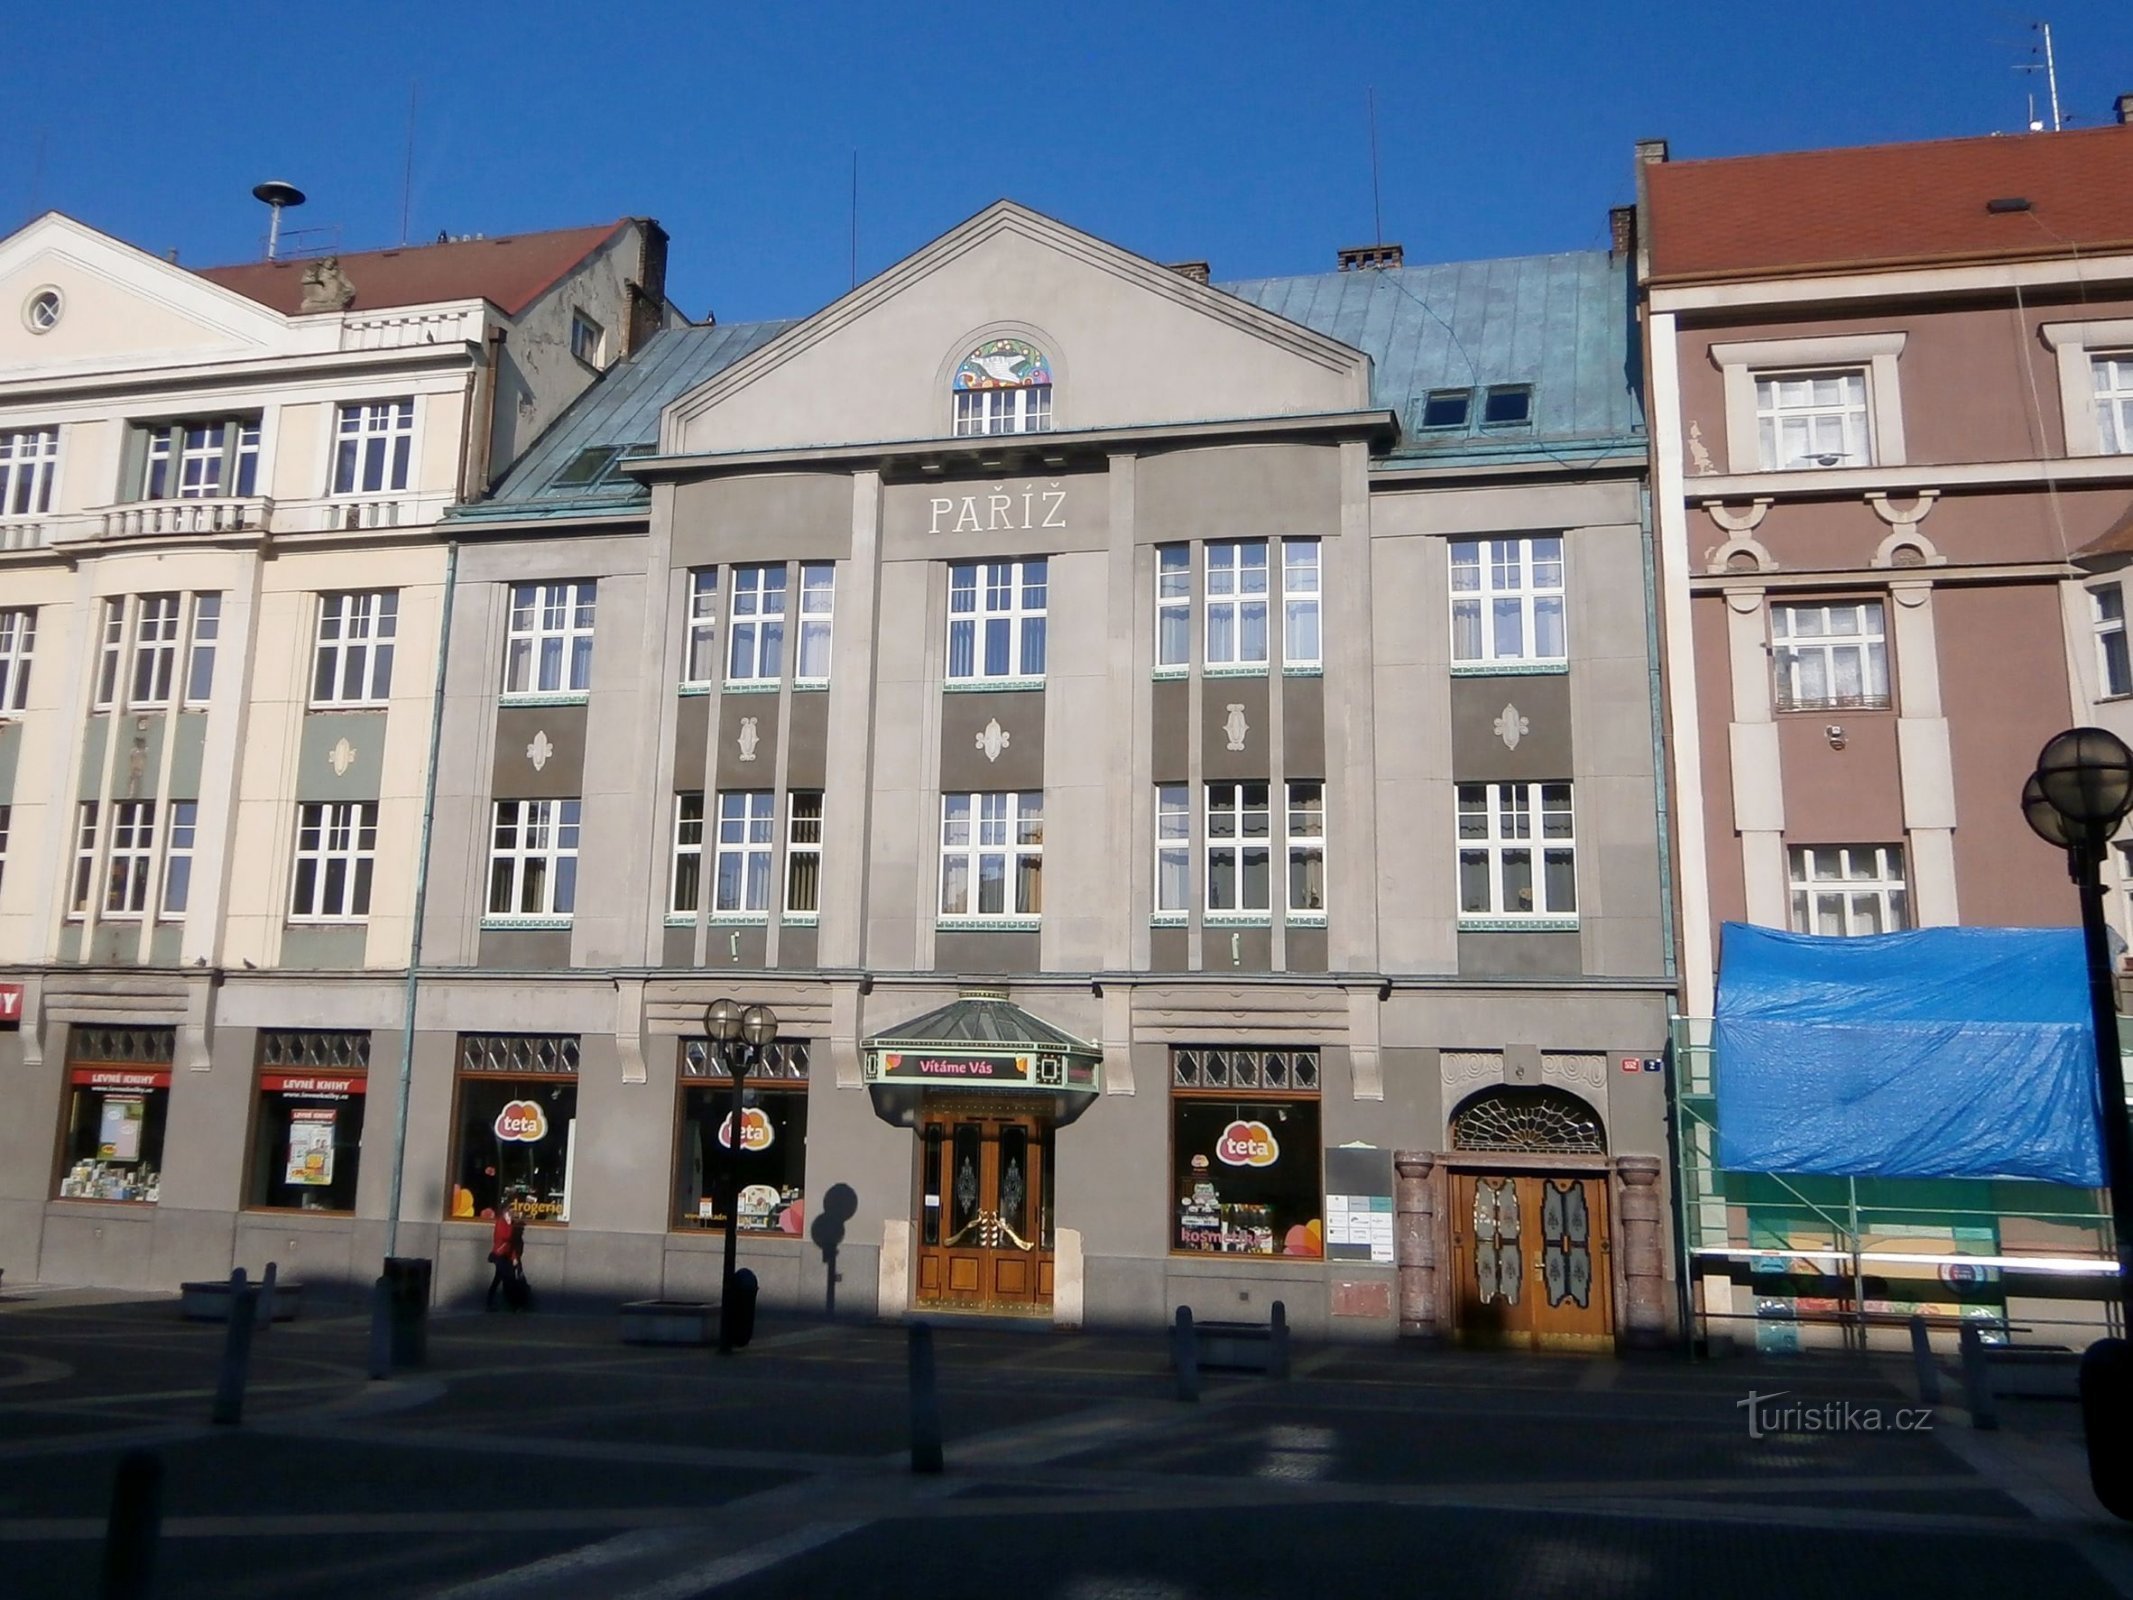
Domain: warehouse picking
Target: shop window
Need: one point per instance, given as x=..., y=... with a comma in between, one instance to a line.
x=514, y=1125
x=773, y=1160
x=1245, y=1167
x=307, y=1123
x=117, y=1104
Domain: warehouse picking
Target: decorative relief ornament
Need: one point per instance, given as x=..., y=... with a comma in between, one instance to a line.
x=748, y=738
x=341, y=757
x=1510, y=726
x=994, y=739
x=540, y=750
x=1236, y=727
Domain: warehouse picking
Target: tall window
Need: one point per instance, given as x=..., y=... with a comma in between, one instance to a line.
x=803, y=852
x=533, y=861
x=818, y=589
x=132, y=856
x=353, y=665
x=1307, y=848
x=200, y=657
x=199, y=460
x=1830, y=656
x=373, y=440
x=1173, y=848
x=336, y=844
x=110, y=650
x=1517, y=851
x=178, y=857
x=84, y=859
x=745, y=829
x=6, y=816
x=699, y=663
x=1299, y=602
x=29, y=461
x=2107, y=608
x=1173, y=605
x=1812, y=419
x=1507, y=600
x=756, y=627
x=992, y=855
x=996, y=618
x=1236, y=604
x=588, y=340
x=160, y=625
x=1239, y=852
x=548, y=648
x=688, y=854
x=1848, y=889
x=1003, y=386
x=18, y=636
x=2114, y=401
x=155, y=648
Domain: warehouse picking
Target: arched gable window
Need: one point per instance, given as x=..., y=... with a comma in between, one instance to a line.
x=1528, y=1121
x=1003, y=386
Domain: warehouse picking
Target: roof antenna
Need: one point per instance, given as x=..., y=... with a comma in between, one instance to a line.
x=2050, y=69
x=855, y=219
x=275, y=194
x=1377, y=209
x=407, y=173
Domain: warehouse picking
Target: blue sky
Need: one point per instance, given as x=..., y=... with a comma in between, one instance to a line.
x=1231, y=133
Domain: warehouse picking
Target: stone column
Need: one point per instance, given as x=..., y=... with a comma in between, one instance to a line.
x=1416, y=1243
x=1644, y=1311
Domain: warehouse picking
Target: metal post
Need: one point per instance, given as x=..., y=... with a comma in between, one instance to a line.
x=1185, y=1355
x=2110, y=1071
x=1277, y=1361
x=236, y=1353
x=1977, y=1379
x=130, y=1534
x=736, y=1062
x=926, y=1454
x=381, y=1328
x=266, y=1299
x=1922, y=1359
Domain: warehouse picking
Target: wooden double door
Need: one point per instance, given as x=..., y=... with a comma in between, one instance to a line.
x=984, y=1222
x=1531, y=1260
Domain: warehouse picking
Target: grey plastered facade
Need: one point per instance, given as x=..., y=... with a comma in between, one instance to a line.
x=1181, y=415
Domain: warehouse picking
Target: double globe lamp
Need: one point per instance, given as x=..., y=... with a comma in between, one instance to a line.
x=740, y=1034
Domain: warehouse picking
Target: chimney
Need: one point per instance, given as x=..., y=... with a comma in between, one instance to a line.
x=1621, y=230
x=2125, y=109
x=1371, y=257
x=1195, y=270
x=647, y=292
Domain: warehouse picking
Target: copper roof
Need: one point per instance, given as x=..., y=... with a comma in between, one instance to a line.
x=1891, y=205
x=510, y=272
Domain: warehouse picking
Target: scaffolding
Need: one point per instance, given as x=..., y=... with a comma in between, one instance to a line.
x=1794, y=1262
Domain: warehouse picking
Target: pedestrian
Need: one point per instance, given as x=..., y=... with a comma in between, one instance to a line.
x=518, y=1293
x=506, y=1241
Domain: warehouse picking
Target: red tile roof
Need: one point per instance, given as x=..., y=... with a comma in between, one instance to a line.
x=1891, y=205
x=510, y=272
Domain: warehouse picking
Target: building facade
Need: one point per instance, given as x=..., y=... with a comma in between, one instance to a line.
x=222, y=587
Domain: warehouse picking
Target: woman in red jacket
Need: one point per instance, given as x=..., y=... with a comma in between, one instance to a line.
x=504, y=1249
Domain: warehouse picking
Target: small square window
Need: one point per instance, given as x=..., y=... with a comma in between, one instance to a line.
x=588, y=340
x=1509, y=405
x=587, y=466
x=1447, y=408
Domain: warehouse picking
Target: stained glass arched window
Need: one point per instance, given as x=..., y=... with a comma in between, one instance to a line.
x=1529, y=1122
x=1003, y=386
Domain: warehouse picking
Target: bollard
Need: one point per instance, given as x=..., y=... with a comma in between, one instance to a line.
x=236, y=1352
x=1185, y=1355
x=381, y=1329
x=925, y=1403
x=266, y=1299
x=1922, y=1358
x=1983, y=1414
x=1277, y=1355
x=130, y=1535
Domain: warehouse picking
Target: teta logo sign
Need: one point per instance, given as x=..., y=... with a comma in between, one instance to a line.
x=522, y=1122
x=1247, y=1144
x=756, y=1132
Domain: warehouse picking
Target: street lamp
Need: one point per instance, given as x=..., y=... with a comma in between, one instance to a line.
x=741, y=1035
x=2080, y=792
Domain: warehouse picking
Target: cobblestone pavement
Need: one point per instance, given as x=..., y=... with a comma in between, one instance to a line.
x=537, y=1456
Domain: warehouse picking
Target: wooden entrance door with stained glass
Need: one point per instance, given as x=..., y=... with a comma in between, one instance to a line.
x=985, y=1208
x=1530, y=1259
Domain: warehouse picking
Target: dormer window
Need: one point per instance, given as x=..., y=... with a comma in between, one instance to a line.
x=1508, y=405
x=1447, y=408
x=1003, y=386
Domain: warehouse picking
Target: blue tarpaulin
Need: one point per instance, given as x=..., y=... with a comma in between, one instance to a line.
x=1944, y=1053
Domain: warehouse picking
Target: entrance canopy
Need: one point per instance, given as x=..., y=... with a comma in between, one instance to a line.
x=1943, y=1053
x=985, y=1044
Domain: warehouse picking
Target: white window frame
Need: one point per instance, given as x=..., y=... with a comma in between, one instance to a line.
x=354, y=647
x=29, y=466
x=2081, y=348
x=153, y=661
x=755, y=622
x=1874, y=354
x=803, y=843
x=1228, y=846
x=1801, y=427
x=1302, y=590
x=7, y=817
x=1012, y=597
x=818, y=604
x=1868, y=644
x=689, y=853
x=1511, y=822
x=746, y=837
x=110, y=653
x=588, y=341
x=176, y=893
x=1864, y=889
x=1230, y=596
x=338, y=839
x=1002, y=830
x=1173, y=849
x=86, y=817
x=372, y=437
x=534, y=844
x=1498, y=585
x=2113, y=374
x=205, y=458
x=18, y=643
x=1305, y=838
x=129, y=861
x=1173, y=605
x=549, y=625
x=699, y=650
x=204, y=633
x=1025, y=408
x=2107, y=618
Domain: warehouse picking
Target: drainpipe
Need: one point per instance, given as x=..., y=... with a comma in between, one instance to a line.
x=422, y=890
